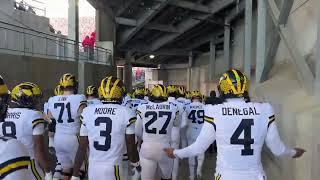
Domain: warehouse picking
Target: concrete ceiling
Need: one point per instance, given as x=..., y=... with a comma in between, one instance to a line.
x=170, y=29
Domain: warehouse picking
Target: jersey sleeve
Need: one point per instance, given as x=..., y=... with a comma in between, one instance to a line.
x=130, y=121
x=138, y=125
x=209, y=115
x=83, y=128
x=204, y=140
x=273, y=140
x=38, y=124
x=177, y=120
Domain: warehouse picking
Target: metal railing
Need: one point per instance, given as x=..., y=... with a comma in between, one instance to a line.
x=26, y=41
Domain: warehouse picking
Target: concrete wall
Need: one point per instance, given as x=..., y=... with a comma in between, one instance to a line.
x=46, y=72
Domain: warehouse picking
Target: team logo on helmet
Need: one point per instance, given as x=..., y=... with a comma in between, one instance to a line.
x=159, y=92
x=92, y=91
x=26, y=95
x=111, y=89
x=58, y=90
x=233, y=83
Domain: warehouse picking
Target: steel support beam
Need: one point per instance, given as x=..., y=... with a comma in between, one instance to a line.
x=261, y=39
x=235, y=12
x=151, y=26
x=145, y=19
x=189, y=24
x=189, y=71
x=205, y=39
x=304, y=73
x=127, y=72
x=275, y=37
x=248, y=38
x=212, y=62
x=125, y=6
x=317, y=60
x=191, y=6
x=226, y=46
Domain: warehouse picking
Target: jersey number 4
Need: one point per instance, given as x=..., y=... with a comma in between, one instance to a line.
x=245, y=126
x=194, y=115
x=62, y=107
x=154, y=116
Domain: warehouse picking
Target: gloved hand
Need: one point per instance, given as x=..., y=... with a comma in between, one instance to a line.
x=75, y=178
x=48, y=176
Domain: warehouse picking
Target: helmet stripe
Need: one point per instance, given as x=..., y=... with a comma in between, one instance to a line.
x=107, y=87
x=239, y=85
x=231, y=84
x=115, y=84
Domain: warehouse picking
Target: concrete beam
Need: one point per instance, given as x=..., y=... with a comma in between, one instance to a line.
x=151, y=26
x=125, y=6
x=174, y=66
x=304, y=73
x=226, y=46
x=212, y=62
x=261, y=39
x=189, y=71
x=205, y=39
x=317, y=60
x=127, y=77
x=248, y=39
x=167, y=52
x=189, y=24
x=235, y=12
x=99, y=5
x=192, y=6
x=286, y=6
x=142, y=21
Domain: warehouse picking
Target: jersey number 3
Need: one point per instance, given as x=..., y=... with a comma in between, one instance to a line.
x=106, y=133
x=245, y=126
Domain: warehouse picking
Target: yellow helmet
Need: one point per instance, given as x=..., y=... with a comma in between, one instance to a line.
x=68, y=81
x=172, y=89
x=181, y=91
x=196, y=94
x=159, y=92
x=139, y=92
x=233, y=83
x=4, y=99
x=58, y=90
x=188, y=95
x=26, y=95
x=111, y=89
x=92, y=91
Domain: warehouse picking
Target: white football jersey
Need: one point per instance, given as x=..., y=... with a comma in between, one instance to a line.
x=45, y=107
x=94, y=101
x=155, y=121
x=136, y=102
x=64, y=109
x=14, y=160
x=194, y=114
x=23, y=123
x=183, y=100
x=106, y=126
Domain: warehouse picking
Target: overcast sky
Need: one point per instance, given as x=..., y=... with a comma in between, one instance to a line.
x=59, y=8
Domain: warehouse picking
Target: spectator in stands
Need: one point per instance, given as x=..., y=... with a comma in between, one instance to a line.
x=85, y=44
x=21, y=6
x=213, y=99
x=51, y=29
x=92, y=42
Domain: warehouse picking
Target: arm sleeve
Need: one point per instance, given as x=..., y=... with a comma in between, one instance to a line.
x=205, y=138
x=83, y=130
x=83, y=127
x=131, y=120
x=275, y=144
x=38, y=124
x=138, y=127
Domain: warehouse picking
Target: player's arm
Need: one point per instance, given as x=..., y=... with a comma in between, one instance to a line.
x=205, y=138
x=138, y=125
x=184, y=119
x=132, y=150
x=82, y=150
x=51, y=127
x=275, y=144
x=41, y=151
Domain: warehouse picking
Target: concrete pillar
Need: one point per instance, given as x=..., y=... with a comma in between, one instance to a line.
x=120, y=73
x=261, y=39
x=105, y=32
x=317, y=78
x=226, y=45
x=248, y=38
x=212, y=62
x=73, y=27
x=189, y=71
x=127, y=75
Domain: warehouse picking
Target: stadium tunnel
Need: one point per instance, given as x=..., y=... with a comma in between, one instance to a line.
x=188, y=43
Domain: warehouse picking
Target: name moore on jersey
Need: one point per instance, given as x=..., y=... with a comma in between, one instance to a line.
x=105, y=125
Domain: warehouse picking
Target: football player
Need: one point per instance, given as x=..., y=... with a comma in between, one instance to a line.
x=193, y=120
x=138, y=99
x=14, y=159
x=64, y=109
x=26, y=124
x=105, y=129
x=175, y=135
x=240, y=129
x=183, y=100
x=154, y=126
x=92, y=96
